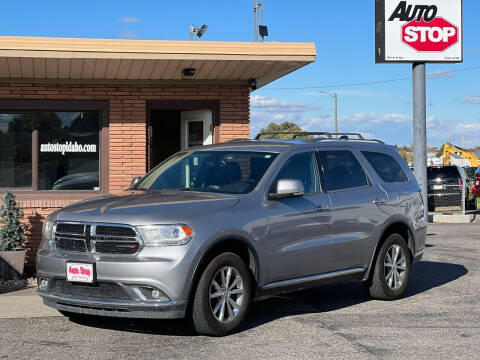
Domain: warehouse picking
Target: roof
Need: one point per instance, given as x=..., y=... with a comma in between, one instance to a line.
x=120, y=59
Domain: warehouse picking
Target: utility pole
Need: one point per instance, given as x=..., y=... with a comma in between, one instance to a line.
x=463, y=140
x=335, y=98
x=257, y=5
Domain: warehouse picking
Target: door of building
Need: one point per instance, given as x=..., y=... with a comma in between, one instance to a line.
x=196, y=128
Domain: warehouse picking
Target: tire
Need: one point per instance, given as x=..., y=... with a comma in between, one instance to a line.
x=378, y=287
x=206, y=312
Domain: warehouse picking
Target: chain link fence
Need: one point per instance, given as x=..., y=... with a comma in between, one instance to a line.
x=448, y=198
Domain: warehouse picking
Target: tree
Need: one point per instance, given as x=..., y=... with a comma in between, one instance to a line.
x=283, y=127
x=12, y=232
x=440, y=151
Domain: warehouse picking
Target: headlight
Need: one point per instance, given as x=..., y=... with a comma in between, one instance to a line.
x=47, y=233
x=166, y=235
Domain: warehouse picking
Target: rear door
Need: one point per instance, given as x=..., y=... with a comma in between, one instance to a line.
x=356, y=206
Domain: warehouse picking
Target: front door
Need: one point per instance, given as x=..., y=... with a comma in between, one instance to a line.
x=299, y=234
x=196, y=128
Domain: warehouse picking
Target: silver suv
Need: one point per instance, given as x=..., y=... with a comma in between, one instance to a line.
x=214, y=227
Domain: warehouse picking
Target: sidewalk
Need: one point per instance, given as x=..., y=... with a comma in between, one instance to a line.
x=24, y=303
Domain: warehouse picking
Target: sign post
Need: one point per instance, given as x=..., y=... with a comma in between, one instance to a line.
x=419, y=32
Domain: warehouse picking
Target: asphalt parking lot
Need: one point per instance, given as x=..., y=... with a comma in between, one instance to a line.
x=438, y=318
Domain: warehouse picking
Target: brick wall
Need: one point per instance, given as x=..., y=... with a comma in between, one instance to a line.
x=127, y=128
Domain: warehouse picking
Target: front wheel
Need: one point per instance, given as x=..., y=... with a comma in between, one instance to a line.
x=222, y=297
x=392, y=270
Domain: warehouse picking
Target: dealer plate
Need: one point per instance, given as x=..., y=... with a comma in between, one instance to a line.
x=80, y=272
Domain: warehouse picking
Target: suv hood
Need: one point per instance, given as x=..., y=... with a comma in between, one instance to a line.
x=147, y=207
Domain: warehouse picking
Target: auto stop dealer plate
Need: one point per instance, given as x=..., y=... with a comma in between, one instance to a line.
x=418, y=31
x=80, y=272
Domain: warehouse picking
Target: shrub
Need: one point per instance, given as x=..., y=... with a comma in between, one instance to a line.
x=12, y=234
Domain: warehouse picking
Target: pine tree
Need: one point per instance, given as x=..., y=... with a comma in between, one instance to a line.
x=12, y=230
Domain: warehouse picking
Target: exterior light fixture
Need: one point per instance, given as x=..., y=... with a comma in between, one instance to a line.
x=263, y=31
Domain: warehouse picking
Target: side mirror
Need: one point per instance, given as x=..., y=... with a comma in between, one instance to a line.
x=287, y=188
x=134, y=182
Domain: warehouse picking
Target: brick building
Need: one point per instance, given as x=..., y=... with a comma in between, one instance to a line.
x=79, y=118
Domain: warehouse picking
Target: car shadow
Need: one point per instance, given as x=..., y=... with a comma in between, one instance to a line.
x=426, y=275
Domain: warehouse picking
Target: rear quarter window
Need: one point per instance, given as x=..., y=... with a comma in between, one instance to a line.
x=387, y=168
x=442, y=172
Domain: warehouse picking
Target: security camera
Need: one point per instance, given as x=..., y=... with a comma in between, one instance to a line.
x=188, y=72
x=252, y=83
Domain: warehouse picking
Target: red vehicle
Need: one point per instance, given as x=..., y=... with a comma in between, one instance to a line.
x=476, y=188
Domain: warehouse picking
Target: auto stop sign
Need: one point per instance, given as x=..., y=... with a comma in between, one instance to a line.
x=418, y=31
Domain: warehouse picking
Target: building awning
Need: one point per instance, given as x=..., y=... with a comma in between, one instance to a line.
x=113, y=59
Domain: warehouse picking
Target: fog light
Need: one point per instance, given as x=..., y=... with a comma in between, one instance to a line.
x=43, y=284
x=155, y=294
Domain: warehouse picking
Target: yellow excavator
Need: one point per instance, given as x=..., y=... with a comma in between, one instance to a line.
x=449, y=149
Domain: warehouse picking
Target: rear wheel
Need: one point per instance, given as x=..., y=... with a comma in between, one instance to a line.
x=222, y=297
x=392, y=270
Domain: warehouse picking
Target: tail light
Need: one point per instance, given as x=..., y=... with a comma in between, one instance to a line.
x=460, y=183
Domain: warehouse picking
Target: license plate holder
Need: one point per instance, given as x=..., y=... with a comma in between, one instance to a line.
x=80, y=272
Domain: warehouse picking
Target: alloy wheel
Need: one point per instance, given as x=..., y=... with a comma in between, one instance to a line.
x=226, y=294
x=395, y=266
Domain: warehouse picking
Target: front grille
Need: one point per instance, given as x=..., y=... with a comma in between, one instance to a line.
x=99, y=239
x=93, y=291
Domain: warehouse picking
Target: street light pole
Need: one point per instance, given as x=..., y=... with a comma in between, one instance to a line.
x=336, y=113
x=335, y=98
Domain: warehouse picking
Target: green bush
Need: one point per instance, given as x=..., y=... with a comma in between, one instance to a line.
x=12, y=234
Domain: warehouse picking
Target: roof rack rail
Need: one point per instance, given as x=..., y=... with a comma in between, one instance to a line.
x=294, y=134
x=321, y=136
x=345, y=136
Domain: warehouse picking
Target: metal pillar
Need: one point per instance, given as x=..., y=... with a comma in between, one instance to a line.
x=420, y=128
x=255, y=21
x=336, y=113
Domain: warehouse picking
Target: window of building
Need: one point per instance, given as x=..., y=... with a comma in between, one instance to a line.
x=300, y=167
x=386, y=167
x=341, y=170
x=16, y=151
x=50, y=150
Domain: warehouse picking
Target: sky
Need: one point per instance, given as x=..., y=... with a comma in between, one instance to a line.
x=343, y=32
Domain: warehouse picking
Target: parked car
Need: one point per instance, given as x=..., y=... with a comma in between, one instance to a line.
x=214, y=227
x=448, y=187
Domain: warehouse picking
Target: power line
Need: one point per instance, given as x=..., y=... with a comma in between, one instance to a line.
x=432, y=76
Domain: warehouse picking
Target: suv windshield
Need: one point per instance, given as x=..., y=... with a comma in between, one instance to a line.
x=232, y=172
x=443, y=172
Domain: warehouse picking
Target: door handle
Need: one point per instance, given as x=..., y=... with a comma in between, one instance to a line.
x=321, y=208
x=379, y=201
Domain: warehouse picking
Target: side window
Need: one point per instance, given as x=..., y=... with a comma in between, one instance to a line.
x=341, y=170
x=386, y=167
x=301, y=167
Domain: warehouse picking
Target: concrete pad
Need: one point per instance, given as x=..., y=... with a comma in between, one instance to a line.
x=24, y=306
x=451, y=218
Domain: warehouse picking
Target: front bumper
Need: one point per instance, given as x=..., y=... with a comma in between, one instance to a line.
x=125, y=309
x=167, y=270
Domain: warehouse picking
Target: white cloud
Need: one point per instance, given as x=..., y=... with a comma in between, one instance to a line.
x=271, y=104
x=440, y=74
x=474, y=99
x=129, y=20
x=128, y=34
